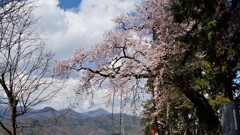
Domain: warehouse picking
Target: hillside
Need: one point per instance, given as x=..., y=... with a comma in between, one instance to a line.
x=49, y=121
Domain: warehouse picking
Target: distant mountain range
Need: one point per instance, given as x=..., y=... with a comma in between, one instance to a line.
x=48, y=121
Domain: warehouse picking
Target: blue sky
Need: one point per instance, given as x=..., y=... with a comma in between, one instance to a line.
x=69, y=4
x=66, y=30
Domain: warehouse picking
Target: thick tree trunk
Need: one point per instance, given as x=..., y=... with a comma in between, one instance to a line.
x=13, y=112
x=205, y=113
x=13, y=121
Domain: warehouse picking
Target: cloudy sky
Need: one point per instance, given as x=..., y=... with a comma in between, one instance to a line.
x=69, y=24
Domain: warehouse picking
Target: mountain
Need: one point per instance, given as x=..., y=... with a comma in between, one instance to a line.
x=46, y=109
x=97, y=112
x=49, y=121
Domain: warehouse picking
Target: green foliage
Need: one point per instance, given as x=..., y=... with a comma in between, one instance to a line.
x=214, y=33
x=211, y=62
x=182, y=116
x=148, y=109
x=218, y=101
x=177, y=115
x=207, y=72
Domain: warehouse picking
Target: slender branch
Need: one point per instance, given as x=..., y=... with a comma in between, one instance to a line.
x=5, y=128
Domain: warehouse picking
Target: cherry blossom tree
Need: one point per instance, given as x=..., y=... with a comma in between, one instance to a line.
x=144, y=45
x=140, y=44
x=128, y=53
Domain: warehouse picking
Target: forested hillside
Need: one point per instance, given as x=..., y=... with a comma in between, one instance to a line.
x=49, y=121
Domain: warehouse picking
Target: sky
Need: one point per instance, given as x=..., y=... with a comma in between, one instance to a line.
x=69, y=4
x=69, y=24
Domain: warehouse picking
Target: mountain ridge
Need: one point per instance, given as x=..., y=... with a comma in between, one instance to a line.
x=69, y=122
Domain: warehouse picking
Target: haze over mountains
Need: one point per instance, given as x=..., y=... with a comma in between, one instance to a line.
x=48, y=121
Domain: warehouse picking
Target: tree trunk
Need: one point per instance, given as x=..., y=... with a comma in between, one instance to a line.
x=155, y=119
x=13, y=109
x=205, y=113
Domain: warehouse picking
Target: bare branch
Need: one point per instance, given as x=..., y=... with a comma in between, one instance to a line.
x=25, y=65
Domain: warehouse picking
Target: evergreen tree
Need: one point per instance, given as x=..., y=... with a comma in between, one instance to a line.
x=212, y=56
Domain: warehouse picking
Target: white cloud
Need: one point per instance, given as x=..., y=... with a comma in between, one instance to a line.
x=66, y=98
x=67, y=30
